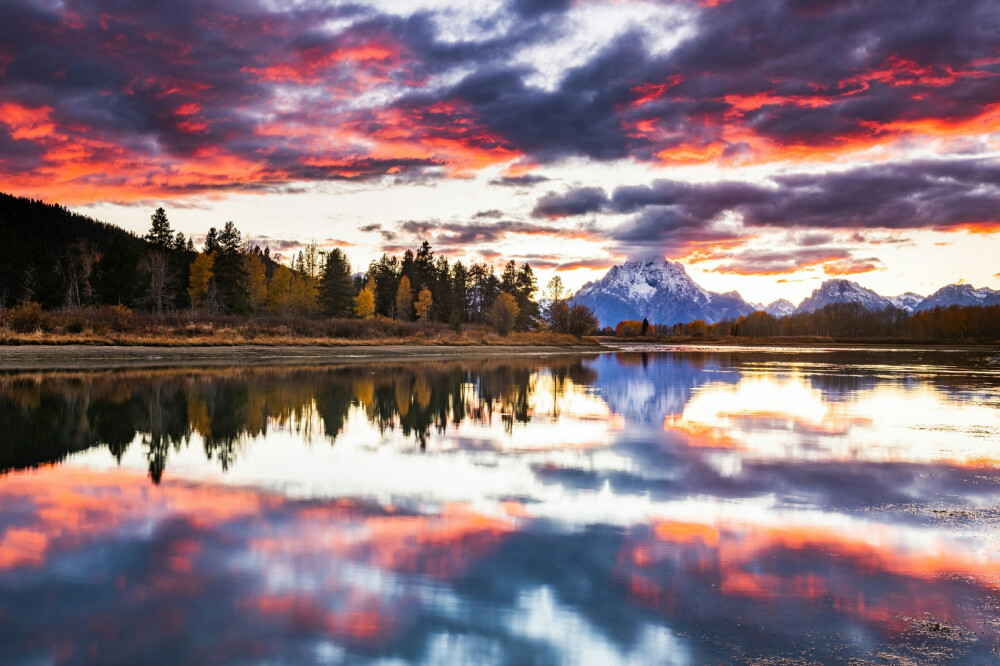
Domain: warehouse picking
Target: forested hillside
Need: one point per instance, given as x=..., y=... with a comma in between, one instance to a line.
x=54, y=258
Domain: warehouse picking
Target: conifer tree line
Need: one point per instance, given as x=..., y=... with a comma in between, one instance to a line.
x=163, y=271
x=841, y=321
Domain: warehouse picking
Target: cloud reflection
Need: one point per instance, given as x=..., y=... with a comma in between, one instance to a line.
x=694, y=507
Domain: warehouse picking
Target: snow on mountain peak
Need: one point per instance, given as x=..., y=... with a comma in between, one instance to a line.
x=843, y=291
x=658, y=290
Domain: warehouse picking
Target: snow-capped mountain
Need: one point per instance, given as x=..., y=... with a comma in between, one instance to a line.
x=658, y=290
x=960, y=294
x=662, y=292
x=908, y=301
x=779, y=308
x=843, y=291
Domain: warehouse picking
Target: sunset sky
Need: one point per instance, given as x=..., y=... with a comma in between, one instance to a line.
x=767, y=144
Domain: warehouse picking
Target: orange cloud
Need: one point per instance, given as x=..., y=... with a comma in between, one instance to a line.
x=852, y=266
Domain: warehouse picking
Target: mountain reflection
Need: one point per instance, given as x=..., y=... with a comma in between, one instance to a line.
x=722, y=507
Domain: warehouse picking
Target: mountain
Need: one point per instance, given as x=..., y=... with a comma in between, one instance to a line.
x=658, y=290
x=960, y=294
x=779, y=308
x=843, y=291
x=908, y=301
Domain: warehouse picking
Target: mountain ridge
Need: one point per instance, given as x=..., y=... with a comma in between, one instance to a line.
x=662, y=292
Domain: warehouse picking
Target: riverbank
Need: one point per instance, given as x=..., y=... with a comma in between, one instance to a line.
x=812, y=342
x=87, y=357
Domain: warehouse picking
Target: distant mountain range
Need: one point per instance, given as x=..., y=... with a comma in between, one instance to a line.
x=662, y=292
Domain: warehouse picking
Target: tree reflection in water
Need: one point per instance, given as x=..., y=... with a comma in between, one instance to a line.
x=48, y=416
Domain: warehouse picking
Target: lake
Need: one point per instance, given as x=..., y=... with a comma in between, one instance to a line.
x=656, y=507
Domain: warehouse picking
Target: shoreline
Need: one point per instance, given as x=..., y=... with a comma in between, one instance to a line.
x=14, y=358
x=69, y=356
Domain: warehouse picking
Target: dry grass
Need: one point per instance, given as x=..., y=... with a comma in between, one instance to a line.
x=120, y=326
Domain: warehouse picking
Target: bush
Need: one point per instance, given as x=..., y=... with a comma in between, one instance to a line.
x=117, y=318
x=503, y=313
x=25, y=318
x=75, y=322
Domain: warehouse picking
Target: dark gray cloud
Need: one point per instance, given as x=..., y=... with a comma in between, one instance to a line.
x=471, y=233
x=519, y=181
x=579, y=201
x=923, y=194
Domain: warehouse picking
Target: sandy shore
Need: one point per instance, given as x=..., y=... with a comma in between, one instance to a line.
x=79, y=357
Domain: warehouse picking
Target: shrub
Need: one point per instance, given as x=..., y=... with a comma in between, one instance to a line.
x=25, y=318
x=75, y=322
x=503, y=313
x=117, y=318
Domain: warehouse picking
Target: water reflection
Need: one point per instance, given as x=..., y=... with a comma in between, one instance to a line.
x=630, y=508
x=51, y=415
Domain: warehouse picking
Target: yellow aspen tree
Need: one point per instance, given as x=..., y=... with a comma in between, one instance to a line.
x=303, y=294
x=404, y=300
x=256, y=281
x=503, y=313
x=279, y=292
x=423, y=304
x=364, y=302
x=200, y=279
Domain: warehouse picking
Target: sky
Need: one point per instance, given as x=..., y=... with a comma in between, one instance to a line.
x=768, y=145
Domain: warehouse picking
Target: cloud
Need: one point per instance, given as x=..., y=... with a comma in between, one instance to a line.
x=519, y=181
x=853, y=266
x=105, y=100
x=472, y=233
x=578, y=201
x=942, y=194
x=781, y=262
x=559, y=262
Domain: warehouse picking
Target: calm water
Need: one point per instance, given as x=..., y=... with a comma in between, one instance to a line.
x=675, y=507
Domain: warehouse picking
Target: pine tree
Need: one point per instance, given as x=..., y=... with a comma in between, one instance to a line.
x=336, y=289
x=230, y=276
x=160, y=234
x=118, y=279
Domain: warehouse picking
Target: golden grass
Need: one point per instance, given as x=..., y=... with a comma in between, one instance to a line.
x=93, y=326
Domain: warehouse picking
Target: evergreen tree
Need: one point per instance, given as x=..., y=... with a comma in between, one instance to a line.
x=160, y=234
x=46, y=285
x=459, y=284
x=230, y=276
x=336, y=289
x=117, y=277
x=386, y=273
